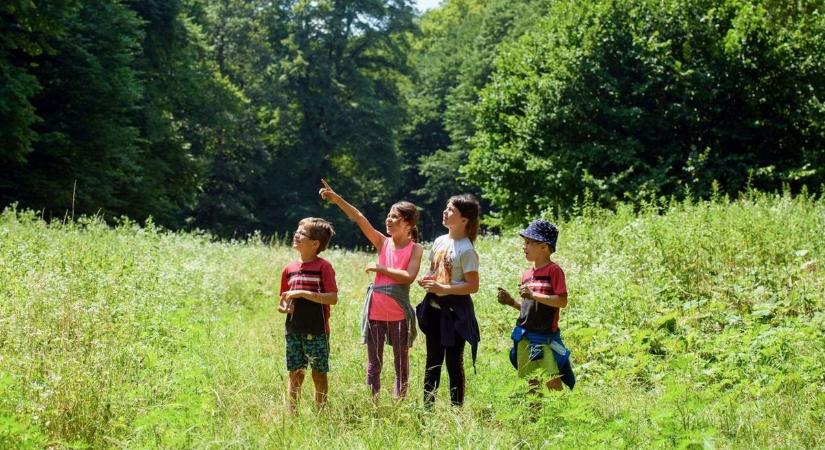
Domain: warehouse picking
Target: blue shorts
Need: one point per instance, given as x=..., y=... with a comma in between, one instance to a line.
x=307, y=348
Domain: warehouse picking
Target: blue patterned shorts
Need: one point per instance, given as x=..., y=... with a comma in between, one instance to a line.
x=307, y=348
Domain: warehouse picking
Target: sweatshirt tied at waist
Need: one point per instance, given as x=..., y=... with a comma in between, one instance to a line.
x=535, y=341
x=398, y=292
x=457, y=319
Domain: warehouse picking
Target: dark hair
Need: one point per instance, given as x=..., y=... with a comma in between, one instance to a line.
x=468, y=206
x=409, y=212
x=319, y=230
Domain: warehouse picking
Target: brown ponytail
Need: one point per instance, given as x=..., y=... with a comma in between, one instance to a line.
x=409, y=213
x=470, y=209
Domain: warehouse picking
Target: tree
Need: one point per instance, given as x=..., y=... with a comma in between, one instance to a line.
x=26, y=28
x=86, y=151
x=115, y=107
x=454, y=57
x=632, y=100
x=341, y=107
x=201, y=136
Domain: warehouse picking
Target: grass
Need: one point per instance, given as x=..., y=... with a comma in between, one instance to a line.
x=692, y=325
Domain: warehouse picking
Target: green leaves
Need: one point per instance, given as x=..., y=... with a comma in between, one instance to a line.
x=628, y=101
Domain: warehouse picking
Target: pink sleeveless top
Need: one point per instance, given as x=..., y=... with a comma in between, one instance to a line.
x=383, y=307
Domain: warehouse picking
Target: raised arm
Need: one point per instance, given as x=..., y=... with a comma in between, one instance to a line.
x=375, y=237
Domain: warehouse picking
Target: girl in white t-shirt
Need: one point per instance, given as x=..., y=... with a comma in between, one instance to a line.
x=446, y=315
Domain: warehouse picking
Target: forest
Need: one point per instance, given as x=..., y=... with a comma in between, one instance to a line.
x=223, y=115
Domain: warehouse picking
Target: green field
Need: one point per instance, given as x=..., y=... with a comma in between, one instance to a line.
x=692, y=325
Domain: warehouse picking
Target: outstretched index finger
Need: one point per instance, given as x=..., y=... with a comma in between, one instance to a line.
x=326, y=185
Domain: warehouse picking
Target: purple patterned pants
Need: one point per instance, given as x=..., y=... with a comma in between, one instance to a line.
x=398, y=335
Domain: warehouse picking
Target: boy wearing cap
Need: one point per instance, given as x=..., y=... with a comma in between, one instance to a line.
x=538, y=351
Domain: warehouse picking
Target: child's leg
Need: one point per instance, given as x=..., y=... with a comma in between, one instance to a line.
x=296, y=362
x=376, y=331
x=317, y=350
x=399, y=334
x=455, y=368
x=321, y=388
x=535, y=386
x=435, y=356
x=554, y=384
x=296, y=379
x=543, y=367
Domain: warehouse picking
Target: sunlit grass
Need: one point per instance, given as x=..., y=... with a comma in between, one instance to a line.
x=690, y=325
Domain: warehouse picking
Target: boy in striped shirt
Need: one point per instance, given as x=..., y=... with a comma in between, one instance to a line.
x=538, y=350
x=307, y=290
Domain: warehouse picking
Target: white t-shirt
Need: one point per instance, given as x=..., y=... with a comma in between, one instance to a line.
x=451, y=259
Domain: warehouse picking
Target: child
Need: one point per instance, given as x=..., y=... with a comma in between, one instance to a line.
x=537, y=344
x=387, y=310
x=307, y=290
x=446, y=314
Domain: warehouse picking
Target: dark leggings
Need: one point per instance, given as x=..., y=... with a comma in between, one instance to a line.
x=436, y=354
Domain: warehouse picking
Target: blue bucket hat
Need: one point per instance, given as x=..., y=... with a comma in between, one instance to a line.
x=542, y=231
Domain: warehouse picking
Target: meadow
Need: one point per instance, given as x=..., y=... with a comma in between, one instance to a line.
x=692, y=325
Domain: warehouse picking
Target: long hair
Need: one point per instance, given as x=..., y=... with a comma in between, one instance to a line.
x=470, y=209
x=408, y=212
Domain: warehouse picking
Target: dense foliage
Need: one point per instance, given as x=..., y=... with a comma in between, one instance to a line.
x=454, y=58
x=217, y=115
x=223, y=115
x=692, y=325
x=628, y=100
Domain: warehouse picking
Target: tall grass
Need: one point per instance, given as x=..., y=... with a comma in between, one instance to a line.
x=691, y=325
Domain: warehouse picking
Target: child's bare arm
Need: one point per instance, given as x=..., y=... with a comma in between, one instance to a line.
x=285, y=306
x=403, y=276
x=324, y=298
x=469, y=287
x=374, y=236
x=505, y=298
x=556, y=301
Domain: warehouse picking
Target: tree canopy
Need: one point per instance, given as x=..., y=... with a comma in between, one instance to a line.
x=651, y=98
x=223, y=115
